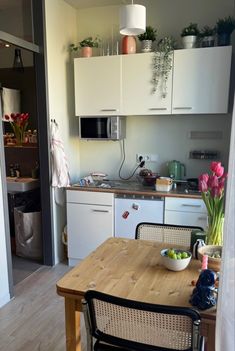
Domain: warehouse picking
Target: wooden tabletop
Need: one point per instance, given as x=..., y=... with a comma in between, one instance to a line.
x=131, y=269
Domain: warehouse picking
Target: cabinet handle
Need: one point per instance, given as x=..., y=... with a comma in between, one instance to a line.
x=157, y=108
x=202, y=218
x=103, y=211
x=186, y=205
x=108, y=109
x=183, y=108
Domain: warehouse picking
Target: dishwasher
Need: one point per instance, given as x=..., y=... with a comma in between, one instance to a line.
x=130, y=210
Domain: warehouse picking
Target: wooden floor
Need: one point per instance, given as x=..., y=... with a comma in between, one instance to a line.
x=34, y=319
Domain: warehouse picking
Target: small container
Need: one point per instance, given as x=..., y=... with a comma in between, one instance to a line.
x=163, y=184
x=199, y=243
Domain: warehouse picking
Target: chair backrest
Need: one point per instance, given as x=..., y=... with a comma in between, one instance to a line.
x=140, y=326
x=168, y=233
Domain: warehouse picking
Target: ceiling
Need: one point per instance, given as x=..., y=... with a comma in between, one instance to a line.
x=82, y=4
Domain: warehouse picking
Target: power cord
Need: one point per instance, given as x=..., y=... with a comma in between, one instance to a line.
x=140, y=165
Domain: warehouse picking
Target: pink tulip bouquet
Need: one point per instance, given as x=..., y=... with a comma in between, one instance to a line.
x=19, y=123
x=212, y=189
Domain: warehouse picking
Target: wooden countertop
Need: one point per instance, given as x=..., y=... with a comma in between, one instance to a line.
x=135, y=188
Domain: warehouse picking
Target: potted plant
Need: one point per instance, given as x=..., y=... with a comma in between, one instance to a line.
x=162, y=64
x=224, y=29
x=86, y=46
x=147, y=38
x=207, y=36
x=189, y=36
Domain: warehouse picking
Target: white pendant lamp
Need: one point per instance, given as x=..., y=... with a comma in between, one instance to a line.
x=132, y=19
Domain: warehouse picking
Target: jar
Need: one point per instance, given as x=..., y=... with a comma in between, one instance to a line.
x=129, y=44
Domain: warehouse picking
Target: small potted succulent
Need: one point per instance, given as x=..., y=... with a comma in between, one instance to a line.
x=86, y=46
x=207, y=36
x=224, y=29
x=147, y=38
x=189, y=36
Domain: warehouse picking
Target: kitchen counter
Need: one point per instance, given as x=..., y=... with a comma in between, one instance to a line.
x=134, y=188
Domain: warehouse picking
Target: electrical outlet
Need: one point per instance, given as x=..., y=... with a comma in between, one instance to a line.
x=147, y=157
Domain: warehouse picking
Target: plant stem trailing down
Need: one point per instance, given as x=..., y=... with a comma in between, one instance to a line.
x=212, y=188
x=162, y=64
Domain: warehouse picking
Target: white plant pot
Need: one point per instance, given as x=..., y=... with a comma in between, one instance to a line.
x=189, y=41
x=146, y=45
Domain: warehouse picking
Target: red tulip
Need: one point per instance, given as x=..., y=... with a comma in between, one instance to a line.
x=217, y=169
x=202, y=185
x=213, y=181
x=216, y=192
x=204, y=177
x=7, y=117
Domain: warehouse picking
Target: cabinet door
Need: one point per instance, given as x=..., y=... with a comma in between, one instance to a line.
x=97, y=86
x=138, y=96
x=186, y=218
x=201, y=80
x=88, y=227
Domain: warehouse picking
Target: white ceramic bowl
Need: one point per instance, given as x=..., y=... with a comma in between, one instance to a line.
x=174, y=264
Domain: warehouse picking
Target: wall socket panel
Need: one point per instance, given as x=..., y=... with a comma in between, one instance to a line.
x=147, y=157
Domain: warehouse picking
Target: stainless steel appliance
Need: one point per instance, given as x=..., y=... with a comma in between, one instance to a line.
x=131, y=210
x=102, y=128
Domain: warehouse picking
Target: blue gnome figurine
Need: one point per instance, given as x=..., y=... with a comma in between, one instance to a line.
x=203, y=295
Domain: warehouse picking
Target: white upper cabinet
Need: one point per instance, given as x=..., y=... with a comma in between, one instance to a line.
x=97, y=86
x=201, y=80
x=122, y=84
x=138, y=96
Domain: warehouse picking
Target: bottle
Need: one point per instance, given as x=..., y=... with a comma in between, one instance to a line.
x=35, y=171
x=199, y=243
x=17, y=170
x=34, y=137
x=11, y=170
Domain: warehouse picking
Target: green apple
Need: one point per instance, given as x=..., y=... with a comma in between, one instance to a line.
x=184, y=255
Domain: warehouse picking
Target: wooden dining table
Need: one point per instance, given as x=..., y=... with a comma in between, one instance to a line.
x=130, y=269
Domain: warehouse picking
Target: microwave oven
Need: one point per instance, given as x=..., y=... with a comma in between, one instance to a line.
x=102, y=128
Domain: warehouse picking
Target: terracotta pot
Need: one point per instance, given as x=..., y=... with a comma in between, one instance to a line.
x=86, y=51
x=128, y=44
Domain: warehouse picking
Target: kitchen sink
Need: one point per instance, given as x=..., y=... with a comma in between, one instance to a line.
x=22, y=184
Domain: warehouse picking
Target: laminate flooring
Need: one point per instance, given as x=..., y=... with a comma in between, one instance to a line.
x=23, y=268
x=34, y=319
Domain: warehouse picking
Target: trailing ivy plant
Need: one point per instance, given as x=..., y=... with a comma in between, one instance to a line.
x=162, y=64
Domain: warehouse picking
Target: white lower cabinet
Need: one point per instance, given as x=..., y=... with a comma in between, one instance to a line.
x=90, y=221
x=185, y=211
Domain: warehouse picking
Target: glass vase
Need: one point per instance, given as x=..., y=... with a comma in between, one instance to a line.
x=215, y=230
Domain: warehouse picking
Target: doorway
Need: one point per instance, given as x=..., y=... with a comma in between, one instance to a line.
x=18, y=95
x=42, y=140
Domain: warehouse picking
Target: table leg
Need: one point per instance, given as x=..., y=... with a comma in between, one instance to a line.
x=72, y=326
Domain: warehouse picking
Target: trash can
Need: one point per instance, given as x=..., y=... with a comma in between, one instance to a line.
x=28, y=233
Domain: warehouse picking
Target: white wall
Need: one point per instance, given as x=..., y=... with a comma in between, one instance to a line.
x=167, y=16
x=4, y=283
x=166, y=136
x=61, y=30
